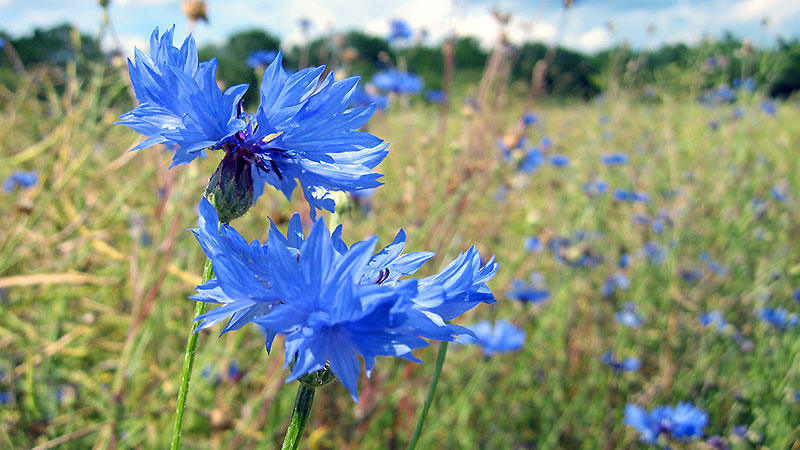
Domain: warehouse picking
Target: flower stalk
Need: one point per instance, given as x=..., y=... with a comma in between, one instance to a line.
x=300, y=414
x=188, y=364
x=437, y=371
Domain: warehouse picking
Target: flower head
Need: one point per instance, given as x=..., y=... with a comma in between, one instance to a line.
x=435, y=96
x=261, y=58
x=399, y=30
x=20, y=179
x=334, y=303
x=398, y=82
x=683, y=422
x=302, y=131
x=502, y=338
x=628, y=364
x=779, y=317
x=615, y=159
x=628, y=316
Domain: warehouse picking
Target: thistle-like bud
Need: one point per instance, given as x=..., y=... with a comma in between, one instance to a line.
x=195, y=10
x=230, y=188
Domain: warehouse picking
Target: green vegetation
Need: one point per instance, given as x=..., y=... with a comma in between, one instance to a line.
x=96, y=267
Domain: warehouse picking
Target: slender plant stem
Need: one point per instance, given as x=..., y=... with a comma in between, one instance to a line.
x=436, y=372
x=300, y=413
x=188, y=364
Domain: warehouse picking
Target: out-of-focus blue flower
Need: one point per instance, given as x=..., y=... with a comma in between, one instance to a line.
x=749, y=84
x=399, y=30
x=780, y=192
x=739, y=431
x=6, y=397
x=527, y=293
x=691, y=276
x=628, y=316
x=20, y=179
x=654, y=252
x=546, y=143
x=617, y=282
x=595, y=188
x=559, y=161
x=435, y=96
x=796, y=295
x=529, y=118
x=368, y=96
x=628, y=364
x=769, y=108
x=631, y=196
x=332, y=302
x=502, y=338
x=234, y=372
x=779, y=317
x=261, y=58
x=715, y=267
x=624, y=260
x=363, y=199
x=532, y=160
x=398, y=82
x=714, y=318
x=534, y=244
x=302, y=129
x=683, y=422
x=615, y=159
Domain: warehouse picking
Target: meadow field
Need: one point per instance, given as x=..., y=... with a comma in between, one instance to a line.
x=642, y=212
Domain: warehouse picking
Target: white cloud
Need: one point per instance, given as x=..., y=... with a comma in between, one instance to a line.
x=776, y=11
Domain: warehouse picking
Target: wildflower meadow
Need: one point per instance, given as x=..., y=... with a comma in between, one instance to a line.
x=335, y=238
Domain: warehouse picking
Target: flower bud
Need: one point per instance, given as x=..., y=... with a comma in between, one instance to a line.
x=230, y=188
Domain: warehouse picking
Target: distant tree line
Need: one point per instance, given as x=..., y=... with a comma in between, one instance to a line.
x=776, y=71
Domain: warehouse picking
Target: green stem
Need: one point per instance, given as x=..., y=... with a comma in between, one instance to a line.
x=300, y=413
x=188, y=364
x=436, y=372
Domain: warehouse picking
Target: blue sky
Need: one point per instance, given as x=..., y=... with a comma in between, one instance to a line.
x=584, y=27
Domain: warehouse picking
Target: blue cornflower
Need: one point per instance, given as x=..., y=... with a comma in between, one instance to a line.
x=714, y=318
x=624, y=260
x=631, y=196
x=20, y=179
x=780, y=192
x=302, y=129
x=779, y=317
x=595, y=188
x=769, y=108
x=617, y=282
x=534, y=244
x=527, y=293
x=796, y=295
x=399, y=30
x=628, y=316
x=559, y=161
x=261, y=58
x=6, y=397
x=628, y=364
x=502, y=338
x=715, y=267
x=532, y=160
x=529, y=118
x=748, y=84
x=368, y=96
x=398, y=82
x=654, y=252
x=615, y=159
x=435, y=96
x=683, y=422
x=332, y=302
x=546, y=143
